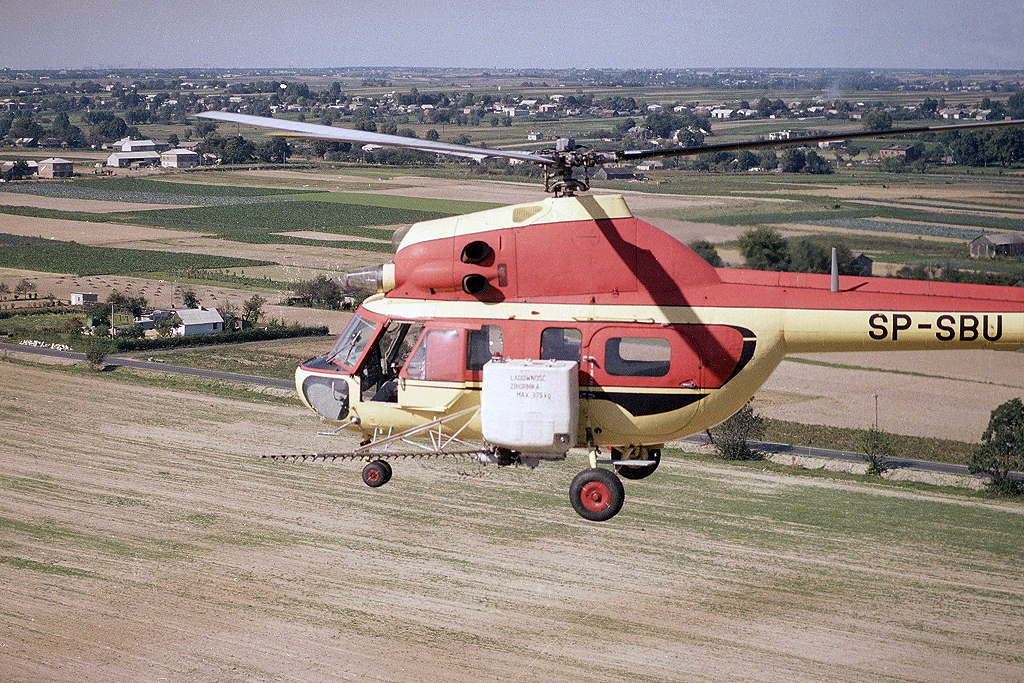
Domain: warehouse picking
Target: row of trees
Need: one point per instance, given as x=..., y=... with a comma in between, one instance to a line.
x=765, y=249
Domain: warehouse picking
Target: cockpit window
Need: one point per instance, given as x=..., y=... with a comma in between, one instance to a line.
x=353, y=341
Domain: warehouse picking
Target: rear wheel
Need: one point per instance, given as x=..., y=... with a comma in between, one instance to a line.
x=635, y=472
x=596, y=494
x=376, y=473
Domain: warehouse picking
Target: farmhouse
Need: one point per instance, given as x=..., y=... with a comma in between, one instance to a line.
x=198, y=321
x=56, y=167
x=179, y=158
x=617, y=173
x=1002, y=244
x=897, y=152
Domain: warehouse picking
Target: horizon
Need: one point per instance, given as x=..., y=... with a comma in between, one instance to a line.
x=820, y=34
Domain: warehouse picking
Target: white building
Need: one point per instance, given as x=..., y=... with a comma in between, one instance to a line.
x=198, y=321
x=138, y=146
x=179, y=158
x=129, y=159
x=721, y=113
x=80, y=298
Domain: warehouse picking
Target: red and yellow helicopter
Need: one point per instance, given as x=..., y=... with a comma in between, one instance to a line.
x=511, y=335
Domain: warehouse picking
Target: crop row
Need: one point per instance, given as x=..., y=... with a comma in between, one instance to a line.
x=84, y=260
x=877, y=225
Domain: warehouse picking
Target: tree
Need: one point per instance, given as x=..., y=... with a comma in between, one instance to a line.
x=165, y=326
x=817, y=164
x=189, y=298
x=706, y=250
x=127, y=303
x=807, y=256
x=25, y=127
x=793, y=161
x=25, y=286
x=274, y=151
x=730, y=439
x=321, y=291
x=253, y=309
x=877, y=450
x=238, y=150
x=877, y=119
x=1002, y=448
x=204, y=128
x=1016, y=105
x=765, y=249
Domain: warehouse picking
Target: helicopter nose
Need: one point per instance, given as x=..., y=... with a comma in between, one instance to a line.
x=327, y=396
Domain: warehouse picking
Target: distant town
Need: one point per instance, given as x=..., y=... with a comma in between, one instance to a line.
x=117, y=111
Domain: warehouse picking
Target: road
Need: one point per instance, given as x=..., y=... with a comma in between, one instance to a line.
x=127, y=361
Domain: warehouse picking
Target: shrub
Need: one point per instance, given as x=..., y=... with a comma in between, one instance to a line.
x=878, y=448
x=730, y=439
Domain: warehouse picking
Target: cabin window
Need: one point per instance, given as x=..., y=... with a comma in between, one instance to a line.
x=353, y=341
x=482, y=345
x=637, y=356
x=561, y=343
x=437, y=357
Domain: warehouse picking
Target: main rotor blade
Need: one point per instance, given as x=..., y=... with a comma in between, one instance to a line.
x=319, y=132
x=632, y=155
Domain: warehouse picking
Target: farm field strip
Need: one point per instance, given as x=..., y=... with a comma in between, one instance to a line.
x=159, y=545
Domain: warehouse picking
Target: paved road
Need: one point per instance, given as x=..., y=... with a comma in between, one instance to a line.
x=894, y=463
x=127, y=361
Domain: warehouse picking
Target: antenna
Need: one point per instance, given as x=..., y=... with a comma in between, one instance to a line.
x=835, y=271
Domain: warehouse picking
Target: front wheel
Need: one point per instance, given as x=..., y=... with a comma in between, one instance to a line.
x=596, y=494
x=376, y=473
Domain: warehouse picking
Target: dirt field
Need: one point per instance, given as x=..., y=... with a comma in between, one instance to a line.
x=943, y=394
x=141, y=538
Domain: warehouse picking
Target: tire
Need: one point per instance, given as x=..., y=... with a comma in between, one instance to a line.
x=387, y=470
x=634, y=472
x=596, y=495
x=376, y=473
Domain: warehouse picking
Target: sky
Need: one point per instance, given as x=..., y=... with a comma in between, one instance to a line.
x=884, y=34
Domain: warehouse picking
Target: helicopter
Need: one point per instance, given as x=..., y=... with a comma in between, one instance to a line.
x=512, y=335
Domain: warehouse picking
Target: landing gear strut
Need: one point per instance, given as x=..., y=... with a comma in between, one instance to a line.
x=596, y=494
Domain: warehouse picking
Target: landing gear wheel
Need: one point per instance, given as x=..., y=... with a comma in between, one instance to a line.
x=634, y=472
x=376, y=473
x=596, y=494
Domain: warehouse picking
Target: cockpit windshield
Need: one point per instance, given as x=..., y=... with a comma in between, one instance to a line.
x=352, y=342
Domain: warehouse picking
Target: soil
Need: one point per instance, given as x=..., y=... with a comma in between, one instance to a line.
x=142, y=538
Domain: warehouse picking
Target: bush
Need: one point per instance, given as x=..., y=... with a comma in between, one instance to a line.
x=730, y=438
x=95, y=355
x=878, y=448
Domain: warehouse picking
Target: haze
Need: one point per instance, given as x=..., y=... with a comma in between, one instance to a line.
x=889, y=34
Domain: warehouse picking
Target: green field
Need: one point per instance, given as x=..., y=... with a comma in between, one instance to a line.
x=82, y=260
